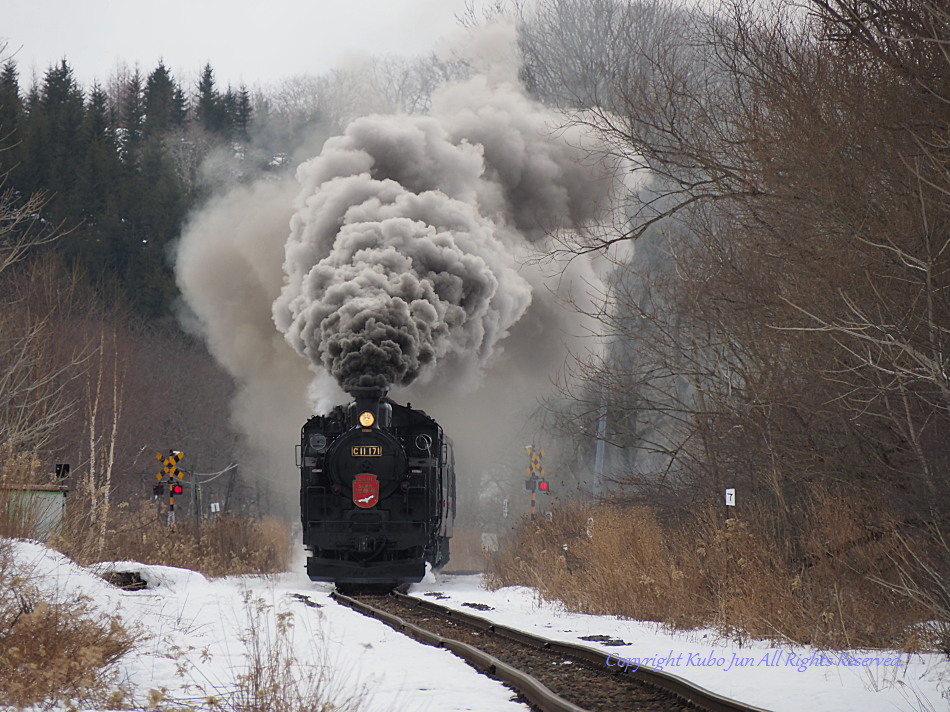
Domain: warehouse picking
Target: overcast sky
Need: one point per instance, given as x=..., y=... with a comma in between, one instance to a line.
x=249, y=42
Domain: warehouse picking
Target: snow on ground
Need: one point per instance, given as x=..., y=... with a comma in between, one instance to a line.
x=782, y=679
x=199, y=633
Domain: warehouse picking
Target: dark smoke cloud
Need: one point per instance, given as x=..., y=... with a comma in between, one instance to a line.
x=408, y=279
x=401, y=251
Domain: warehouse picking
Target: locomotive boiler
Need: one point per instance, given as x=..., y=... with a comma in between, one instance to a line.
x=377, y=492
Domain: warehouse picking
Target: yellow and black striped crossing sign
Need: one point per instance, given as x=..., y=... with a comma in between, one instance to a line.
x=536, y=481
x=534, y=462
x=170, y=468
x=170, y=464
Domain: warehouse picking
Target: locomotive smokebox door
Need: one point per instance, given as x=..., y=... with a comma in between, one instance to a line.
x=365, y=490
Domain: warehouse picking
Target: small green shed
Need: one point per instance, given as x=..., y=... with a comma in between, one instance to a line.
x=34, y=511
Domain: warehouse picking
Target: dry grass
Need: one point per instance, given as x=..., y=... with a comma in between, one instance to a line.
x=231, y=544
x=597, y=560
x=834, y=585
x=228, y=545
x=55, y=652
x=49, y=651
x=276, y=680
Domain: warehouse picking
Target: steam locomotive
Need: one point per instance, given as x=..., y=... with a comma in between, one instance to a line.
x=377, y=492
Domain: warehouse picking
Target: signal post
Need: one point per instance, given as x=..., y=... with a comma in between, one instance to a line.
x=535, y=481
x=174, y=487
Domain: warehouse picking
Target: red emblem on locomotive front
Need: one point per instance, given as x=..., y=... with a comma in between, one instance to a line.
x=365, y=491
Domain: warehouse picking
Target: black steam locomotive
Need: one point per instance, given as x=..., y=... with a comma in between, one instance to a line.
x=377, y=492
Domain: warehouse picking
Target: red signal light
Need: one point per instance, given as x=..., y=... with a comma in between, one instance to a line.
x=177, y=489
x=543, y=485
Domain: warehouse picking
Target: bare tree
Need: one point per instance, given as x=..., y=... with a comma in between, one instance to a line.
x=782, y=317
x=33, y=402
x=103, y=391
x=21, y=227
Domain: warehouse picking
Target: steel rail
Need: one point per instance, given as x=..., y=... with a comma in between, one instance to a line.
x=684, y=689
x=533, y=691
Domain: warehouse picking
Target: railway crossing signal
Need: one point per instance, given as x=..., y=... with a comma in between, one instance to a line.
x=170, y=468
x=170, y=464
x=535, y=479
x=534, y=470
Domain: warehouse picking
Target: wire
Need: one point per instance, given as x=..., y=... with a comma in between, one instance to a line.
x=214, y=475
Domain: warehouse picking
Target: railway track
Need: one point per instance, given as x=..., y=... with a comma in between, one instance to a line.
x=549, y=675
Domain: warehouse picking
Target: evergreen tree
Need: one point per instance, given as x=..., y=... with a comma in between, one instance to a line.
x=228, y=111
x=63, y=113
x=109, y=171
x=210, y=107
x=243, y=113
x=100, y=241
x=132, y=117
x=32, y=168
x=102, y=171
x=11, y=106
x=161, y=111
x=180, y=107
x=154, y=209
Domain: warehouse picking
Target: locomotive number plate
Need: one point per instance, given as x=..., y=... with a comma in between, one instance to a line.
x=367, y=451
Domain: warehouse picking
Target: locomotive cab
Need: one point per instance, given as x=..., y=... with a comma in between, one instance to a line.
x=377, y=494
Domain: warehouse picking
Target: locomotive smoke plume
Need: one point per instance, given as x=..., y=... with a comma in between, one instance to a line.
x=397, y=257
x=401, y=250
x=403, y=278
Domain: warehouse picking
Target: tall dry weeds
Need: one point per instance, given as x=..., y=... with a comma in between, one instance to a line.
x=231, y=544
x=599, y=560
x=55, y=652
x=276, y=680
x=843, y=581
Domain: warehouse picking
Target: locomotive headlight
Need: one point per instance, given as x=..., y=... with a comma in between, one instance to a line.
x=367, y=419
